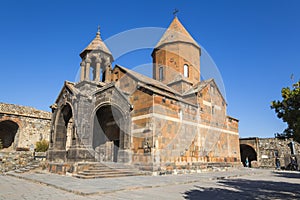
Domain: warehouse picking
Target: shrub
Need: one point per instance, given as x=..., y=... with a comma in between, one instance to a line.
x=41, y=146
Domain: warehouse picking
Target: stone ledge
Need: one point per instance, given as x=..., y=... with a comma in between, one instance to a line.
x=13, y=109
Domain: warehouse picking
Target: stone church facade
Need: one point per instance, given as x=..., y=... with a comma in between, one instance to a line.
x=114, y=114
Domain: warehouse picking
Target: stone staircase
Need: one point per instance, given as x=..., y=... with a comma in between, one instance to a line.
x=30, y=166
x=105, y=170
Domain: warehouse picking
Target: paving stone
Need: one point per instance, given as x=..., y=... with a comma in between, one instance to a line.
x=232, y=184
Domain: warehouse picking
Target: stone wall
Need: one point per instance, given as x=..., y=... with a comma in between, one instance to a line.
x=32, y=125
x=15, y=160
x=181, y=133
x=268, y=148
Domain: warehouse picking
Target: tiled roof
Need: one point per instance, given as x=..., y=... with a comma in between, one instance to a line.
x=155, y=86
x=148, y=81
x=202, y=84
x=197, y=87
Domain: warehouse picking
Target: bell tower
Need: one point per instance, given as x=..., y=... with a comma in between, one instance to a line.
x=96, y=61
x=176, y=56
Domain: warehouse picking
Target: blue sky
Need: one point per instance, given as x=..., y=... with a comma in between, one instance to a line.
x=255, y=45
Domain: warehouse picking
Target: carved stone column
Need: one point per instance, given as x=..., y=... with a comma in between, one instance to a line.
x=97, y=75
x=87, y=69
x=50, y=156
x=82, y=70
x=107, y=72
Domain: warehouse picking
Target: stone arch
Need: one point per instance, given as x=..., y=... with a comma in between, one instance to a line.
x=109, y=132
x=247, y=151
x=63, y=128
x=8, y=130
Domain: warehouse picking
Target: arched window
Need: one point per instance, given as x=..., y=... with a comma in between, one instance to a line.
x=186, y=70
x=161, y=73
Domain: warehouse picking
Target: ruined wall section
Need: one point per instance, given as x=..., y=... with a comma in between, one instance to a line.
x=34, y=125
x=269, y=147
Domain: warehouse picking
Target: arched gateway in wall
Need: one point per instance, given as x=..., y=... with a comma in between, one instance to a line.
x=8, y=130
x=22, y=126
x=247, y=152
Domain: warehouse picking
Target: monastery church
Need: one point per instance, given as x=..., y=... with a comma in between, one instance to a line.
x=170, y=121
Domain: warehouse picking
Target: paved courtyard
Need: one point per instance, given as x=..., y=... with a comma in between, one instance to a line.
x=234, y=184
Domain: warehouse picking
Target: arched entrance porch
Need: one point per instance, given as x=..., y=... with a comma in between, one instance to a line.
x=108, y=133
x=63, y=135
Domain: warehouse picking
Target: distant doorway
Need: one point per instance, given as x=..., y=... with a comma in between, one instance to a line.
x=107, y=133
x=247, y=152
x=8, y=130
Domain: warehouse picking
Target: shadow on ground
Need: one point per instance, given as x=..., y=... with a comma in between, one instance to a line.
x=285, y=174
x=246, y=189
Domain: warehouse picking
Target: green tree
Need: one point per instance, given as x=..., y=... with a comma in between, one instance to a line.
x=288, y=109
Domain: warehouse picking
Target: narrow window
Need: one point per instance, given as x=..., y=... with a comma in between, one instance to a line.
x=212, y=89
x=102, y=75
x=180, y=114
x=161, y=73
x=186, y=70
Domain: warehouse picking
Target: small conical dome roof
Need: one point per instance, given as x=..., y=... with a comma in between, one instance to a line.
x=176, y=33
x=96, y=45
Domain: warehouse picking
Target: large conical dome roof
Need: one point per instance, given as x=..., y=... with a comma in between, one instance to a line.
x=176, y=33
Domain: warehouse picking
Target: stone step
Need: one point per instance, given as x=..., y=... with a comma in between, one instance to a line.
x=103, y=176
x=113, y=164
x=98, y=168
x=106, y=170
x=91, y=164
x=23, y=170
x=29, y=167
x=106, y=174
x=106, y=165
x=109, y=170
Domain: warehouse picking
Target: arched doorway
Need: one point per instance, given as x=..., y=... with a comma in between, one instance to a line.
x=247, y=152
x=108, y=135
x=8, y=130
x=63, y=128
